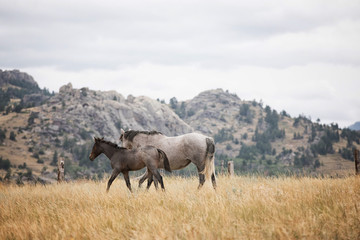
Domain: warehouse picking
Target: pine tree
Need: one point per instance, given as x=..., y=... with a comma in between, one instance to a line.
x=55, y=159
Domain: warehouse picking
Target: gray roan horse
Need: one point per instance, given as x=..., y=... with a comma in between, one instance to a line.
x=124, y=160
x=181, y=150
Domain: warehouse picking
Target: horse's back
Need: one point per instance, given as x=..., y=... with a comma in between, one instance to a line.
x=195, y=140
x=187, y=147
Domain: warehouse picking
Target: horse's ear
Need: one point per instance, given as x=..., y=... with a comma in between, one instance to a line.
x=95, y=139
x=122, y=131
x=102, y=138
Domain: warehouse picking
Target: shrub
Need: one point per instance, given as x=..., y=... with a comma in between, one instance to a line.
x=190, y=113
x=28, y=173
x=31, y=119
x=245, y=113
x=305, y=159
x=12, y=136
x=118, y=125
x=245, y=136
x=223, y=135
x=2, y=135
x=40, y=161
x=23, y=166
x=84, y=134
x=4, y=163
x=248, y=152
x=346, y=154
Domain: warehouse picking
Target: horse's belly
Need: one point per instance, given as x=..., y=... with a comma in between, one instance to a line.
x=136, y=166
x=179, y=165
x=177, y=162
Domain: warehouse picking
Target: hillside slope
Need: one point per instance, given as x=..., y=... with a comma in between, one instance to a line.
x=259, y=139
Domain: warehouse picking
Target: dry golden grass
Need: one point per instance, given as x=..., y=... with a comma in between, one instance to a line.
x=241, y=208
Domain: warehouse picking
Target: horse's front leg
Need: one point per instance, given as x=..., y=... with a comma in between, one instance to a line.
x=127, y=180
x=155, y=182
x=112, y=178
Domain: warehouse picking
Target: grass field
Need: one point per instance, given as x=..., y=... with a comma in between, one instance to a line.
x=241, y=208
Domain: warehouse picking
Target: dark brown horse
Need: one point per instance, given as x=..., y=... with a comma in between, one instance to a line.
x=124, y=160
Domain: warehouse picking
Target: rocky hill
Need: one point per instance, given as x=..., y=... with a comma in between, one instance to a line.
x=16, y=78
x=84, y=113
x=257, y=138
x=260, y=139
x=19, y=90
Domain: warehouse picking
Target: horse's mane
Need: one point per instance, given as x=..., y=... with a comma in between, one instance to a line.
x=109, y=143
x=130, y=134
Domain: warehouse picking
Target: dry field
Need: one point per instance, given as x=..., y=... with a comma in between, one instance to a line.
x=241, y=208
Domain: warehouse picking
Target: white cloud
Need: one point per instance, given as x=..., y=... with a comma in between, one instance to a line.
x=301, y=56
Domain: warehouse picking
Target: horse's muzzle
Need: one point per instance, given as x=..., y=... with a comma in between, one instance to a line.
x=91, y=157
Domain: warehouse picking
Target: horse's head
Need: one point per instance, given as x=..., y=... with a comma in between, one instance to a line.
x=96, y=150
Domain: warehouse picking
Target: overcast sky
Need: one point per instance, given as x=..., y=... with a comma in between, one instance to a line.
x=299, y=56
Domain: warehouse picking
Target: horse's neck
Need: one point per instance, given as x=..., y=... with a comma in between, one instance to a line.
x=108, y=150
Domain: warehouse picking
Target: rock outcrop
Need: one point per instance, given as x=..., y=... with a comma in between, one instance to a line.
x=212, y=110
x=17, y=78
x=84, y=113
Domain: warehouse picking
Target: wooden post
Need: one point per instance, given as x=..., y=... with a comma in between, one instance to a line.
x=356, y=159
x=61, y=171
x=222, y=166
x=231, y=168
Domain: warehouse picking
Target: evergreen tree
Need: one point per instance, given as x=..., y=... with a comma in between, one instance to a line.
x=173, y=103
x=248, y=152
x=12, y=136
x=54, y=161
x=2, y=135
x=4, y=163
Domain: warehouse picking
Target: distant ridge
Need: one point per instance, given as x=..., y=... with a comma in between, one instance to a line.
x=38, y=128
x=355, y=126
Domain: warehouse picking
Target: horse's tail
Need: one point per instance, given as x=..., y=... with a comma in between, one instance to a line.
x=209, y=158
x=166, y=160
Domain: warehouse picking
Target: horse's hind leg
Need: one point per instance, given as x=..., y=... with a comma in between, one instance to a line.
x=143, y=178
x=213, y=180
x=152, y=179
x=159, y=178
x=201, y=176
x=112, y=178
x=148, y=175
x=201, y=180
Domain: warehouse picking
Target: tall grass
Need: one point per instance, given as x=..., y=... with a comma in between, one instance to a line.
x=241, y=208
